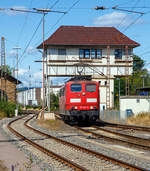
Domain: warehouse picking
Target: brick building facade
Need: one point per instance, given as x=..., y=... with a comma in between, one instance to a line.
x=8, y=87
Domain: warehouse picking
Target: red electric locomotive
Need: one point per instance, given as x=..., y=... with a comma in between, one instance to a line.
x=79, y=101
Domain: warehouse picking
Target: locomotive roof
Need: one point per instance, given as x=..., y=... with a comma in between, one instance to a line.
x=81, y=78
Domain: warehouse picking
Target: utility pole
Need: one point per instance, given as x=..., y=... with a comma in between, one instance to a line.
x=45, y=86
x=3, y=68
x=43, y=12
x=16, y=48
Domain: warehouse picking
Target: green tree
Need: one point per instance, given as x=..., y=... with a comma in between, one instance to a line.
x=54, y=101
x=135, y=80
x=8, y=69
x=138, y=63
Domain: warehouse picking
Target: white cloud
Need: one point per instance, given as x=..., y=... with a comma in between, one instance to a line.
x=11, y=53
x=14, y=12
x=113, y=19
x=31, y=50
x=22, y=71
x=37, y=75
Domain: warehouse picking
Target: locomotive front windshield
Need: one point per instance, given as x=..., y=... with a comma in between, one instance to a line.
x=90, y=87
x=76, y=87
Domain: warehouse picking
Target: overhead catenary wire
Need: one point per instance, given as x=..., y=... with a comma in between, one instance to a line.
x=23, y=26
x=60, y=18
x=132, y=23
x=19, y=60
x=126, y=16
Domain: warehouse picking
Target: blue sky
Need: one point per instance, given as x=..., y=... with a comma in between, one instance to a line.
x=18, y=28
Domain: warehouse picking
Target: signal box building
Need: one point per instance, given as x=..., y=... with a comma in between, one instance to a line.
x=8, y=87
x=101, y=52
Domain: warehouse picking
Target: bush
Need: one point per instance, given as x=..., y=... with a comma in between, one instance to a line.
x=9, y=108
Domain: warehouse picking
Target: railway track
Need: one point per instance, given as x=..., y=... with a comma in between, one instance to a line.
x=114, y=125
x=61, y=159
x=116, y=137
x=84, y=150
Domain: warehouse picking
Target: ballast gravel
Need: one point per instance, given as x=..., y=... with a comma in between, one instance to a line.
x=74, y=137
x=81, y=158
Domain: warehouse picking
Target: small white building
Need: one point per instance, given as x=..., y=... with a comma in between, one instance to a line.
x=34, y=96
x=31, y=96
x=135, y=103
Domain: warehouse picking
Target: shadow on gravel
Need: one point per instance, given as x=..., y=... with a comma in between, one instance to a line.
x=22, y=139
x=66, y=136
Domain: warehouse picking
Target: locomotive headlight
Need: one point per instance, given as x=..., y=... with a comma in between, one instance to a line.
x=91, y=107
x=75, y=107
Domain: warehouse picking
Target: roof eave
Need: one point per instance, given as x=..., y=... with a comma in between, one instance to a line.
x=46, y=45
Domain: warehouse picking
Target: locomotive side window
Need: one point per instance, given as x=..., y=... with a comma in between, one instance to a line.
x=76, y=87
x=90, y=87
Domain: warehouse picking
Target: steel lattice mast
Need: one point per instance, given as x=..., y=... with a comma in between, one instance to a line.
x=3, y=66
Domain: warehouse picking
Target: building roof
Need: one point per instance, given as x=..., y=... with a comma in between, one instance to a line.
x=92, y=36
x=10, y=78
x=135, y=97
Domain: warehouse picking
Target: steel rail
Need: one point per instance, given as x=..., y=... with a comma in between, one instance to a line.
x=135, y=127
x=88, y=151
x=111, y=139
x=144, y=140
x=46, y=151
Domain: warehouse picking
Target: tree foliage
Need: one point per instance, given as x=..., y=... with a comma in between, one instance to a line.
x=139, y=78
x=8, y=69
x=54, y=98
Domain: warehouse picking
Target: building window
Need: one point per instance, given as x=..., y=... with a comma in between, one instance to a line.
x=93, y=53
x=130, y=52
x=90, y=53
x=118, y=53
x=81, y=53
x=99, y=53
x=61, y=51
x=87, y=53
x=53, y=51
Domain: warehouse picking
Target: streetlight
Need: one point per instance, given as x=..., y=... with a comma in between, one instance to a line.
x=16, y=48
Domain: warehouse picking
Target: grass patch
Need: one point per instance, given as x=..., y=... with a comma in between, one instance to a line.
x=51, y=124
x=142, y=119
x=2, y=114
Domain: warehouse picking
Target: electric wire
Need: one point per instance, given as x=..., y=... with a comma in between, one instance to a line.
x=21, y=57
x=23, y=26
x=126, y=15
x=60, y=18
x=133, y=22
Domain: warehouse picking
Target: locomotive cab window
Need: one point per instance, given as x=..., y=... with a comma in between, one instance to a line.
x=90, y=87
x=76, y=87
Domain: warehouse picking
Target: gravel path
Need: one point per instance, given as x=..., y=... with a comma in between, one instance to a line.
x=11, y=157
